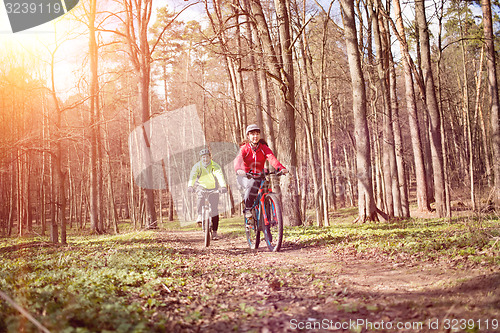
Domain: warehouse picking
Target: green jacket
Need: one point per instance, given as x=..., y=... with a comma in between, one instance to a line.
x=207, y=177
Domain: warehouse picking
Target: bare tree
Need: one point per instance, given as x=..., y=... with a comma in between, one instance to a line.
x=94, y=195
x=366, y=202
x=138, y=15
x=433, y=109
x=281, y=69
x=411, y=105
x=493, y=85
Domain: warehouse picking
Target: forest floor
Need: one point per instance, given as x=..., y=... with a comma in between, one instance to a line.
x=317, y=288
x=418, y=275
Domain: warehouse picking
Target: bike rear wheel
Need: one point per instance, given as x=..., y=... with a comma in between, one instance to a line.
x=252, y=231
x=273, y=231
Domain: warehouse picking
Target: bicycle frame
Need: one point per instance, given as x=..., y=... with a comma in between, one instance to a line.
x=205, y=209
x=258, y=204
x=266, y=210
x=206, y=214
x=205, y=194
x=261, y=195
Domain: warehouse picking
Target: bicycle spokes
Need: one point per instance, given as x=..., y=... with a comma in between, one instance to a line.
x=273, y=230
x=252, y=232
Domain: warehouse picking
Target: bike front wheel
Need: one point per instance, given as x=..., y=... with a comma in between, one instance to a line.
x=273, y=228
x=252, y=231
x=207, y=229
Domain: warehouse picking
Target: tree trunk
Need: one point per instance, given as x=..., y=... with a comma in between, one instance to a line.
x=432, y=107
x=391, y=185
x=12, y=199
x=440, y=15
x=282, y=72
x=309, y=125
x=254, y=77
x=398, y=145
x=478, y=112
x=468, y=129
x=286, y=134
x=144, y=74
x=366, y=203
x=411, y=105
x=234, y=75
x=94, y=91
x=493, y=85
x=58, y=172
x=400, y=188
x=323, y=122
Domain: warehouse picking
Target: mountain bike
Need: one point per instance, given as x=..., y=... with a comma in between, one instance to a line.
x=266, y=214
x=206, y=214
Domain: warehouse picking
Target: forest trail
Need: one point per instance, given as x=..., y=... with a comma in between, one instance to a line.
x=318, y=289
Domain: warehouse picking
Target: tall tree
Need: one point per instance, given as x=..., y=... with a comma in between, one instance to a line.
x=390, y=173
x=95, y=218
x=231, y=54
x=366, y=202
x=493, y=87
x=138, y=15
x=411, y=105
x=286, y=132
x=281, y=69
x=432, y=108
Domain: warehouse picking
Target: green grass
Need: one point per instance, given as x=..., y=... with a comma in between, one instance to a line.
x=476, y=240
x=97, y=283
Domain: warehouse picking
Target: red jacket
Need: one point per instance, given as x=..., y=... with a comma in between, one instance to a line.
x=252, y=159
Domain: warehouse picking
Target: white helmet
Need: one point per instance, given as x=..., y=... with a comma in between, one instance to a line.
x=251, y=128
x=204, y=151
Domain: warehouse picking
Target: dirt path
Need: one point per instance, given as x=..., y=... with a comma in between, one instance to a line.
x=322, y=289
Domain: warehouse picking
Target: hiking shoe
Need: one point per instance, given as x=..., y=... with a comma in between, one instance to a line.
x=214, y=235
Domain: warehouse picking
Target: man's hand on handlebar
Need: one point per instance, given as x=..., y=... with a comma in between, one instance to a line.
x=266, y=172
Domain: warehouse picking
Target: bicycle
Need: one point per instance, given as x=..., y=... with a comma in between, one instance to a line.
x=266, y=214
x=206, y=213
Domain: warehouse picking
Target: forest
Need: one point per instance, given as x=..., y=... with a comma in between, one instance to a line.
x=385, y=113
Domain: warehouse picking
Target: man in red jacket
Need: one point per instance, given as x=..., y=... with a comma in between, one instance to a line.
x=252, y=156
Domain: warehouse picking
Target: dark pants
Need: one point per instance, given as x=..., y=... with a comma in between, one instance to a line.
x=213, y=201
x=250, y=190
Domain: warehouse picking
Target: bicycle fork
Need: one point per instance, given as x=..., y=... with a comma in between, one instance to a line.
x=263, y=209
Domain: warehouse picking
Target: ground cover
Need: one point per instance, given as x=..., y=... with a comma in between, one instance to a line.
x=419, y=274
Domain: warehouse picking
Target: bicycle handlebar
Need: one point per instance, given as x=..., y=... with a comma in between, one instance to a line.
x=264, y=173
x=205, y=191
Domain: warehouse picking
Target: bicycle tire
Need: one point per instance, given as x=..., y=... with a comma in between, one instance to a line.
x=273, y=232
x=207, y=229
x=252, y=232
